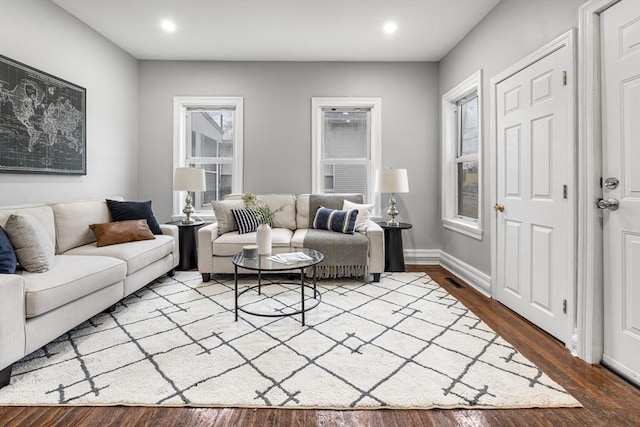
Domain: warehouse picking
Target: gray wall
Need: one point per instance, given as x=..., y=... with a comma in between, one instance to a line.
x=40, y=34
x=277, y=128
x=511, y=31
x=277, y=111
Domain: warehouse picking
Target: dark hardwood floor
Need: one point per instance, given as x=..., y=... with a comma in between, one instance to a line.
x=607, y=399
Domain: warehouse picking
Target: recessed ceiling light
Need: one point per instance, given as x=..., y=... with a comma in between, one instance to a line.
x=390, y=27
x=168, y=25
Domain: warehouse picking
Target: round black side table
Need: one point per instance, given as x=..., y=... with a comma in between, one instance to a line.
x=393, y=250
x=188, y=243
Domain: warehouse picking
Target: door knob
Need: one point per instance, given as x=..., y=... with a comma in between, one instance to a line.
x=611, y=204
x=611, y=183
x=498, y=207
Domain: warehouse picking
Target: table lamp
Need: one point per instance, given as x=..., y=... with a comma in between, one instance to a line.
x=189, y=179
x=392, y=181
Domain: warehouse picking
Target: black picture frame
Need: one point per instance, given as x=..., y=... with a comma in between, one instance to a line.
x=43, y=122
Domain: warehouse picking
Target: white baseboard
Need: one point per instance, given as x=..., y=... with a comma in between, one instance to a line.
x=573, y=343
x=474, y=277
x=422, y=256
x=471, y=275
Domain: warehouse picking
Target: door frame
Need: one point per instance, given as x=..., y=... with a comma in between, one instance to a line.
x=565, y=40
x=590, y=321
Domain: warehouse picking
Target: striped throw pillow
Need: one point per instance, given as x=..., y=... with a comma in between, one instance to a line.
x=246, y=219
x=335, y=220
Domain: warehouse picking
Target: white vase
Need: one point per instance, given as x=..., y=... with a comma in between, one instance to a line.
x=263, y=239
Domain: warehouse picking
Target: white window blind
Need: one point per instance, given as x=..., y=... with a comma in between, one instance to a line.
x=346, y=150
x=346, y=145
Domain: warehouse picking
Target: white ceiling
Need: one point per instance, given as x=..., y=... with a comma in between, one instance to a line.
x=283, y=30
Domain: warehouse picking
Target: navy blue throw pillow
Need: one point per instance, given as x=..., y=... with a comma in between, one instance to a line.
x=8, y=260
x=246, y=219
x=336, y=220
x=125, y=211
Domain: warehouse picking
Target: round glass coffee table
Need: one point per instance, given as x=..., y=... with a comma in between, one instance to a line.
x=270, y=263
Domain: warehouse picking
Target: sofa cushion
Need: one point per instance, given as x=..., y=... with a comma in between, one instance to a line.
x=42, y=213
x=285, y=217
x=73, y=219
x=137, y=255
x=246, y=220
x=297, y=240
x=8, y=260
x=112, y=233
x=70, y=278
x=127, y=210
x=34, y=249
x=224, y=217
x=302, y=211
x=231, y=243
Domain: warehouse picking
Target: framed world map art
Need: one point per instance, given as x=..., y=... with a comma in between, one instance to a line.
x=42, y=122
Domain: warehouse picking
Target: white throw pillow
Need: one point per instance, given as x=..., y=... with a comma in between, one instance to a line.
x=364, y=214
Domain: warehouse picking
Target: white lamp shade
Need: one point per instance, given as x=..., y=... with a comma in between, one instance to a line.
x=392, y=181
x=189, y=179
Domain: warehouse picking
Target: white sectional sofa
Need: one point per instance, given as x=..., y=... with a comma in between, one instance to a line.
x=83, y=280
x=291, y=224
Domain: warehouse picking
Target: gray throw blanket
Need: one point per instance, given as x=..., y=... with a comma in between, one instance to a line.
x=330, y=201
x=345, y=255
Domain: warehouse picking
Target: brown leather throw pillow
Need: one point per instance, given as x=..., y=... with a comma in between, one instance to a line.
x=111, y=233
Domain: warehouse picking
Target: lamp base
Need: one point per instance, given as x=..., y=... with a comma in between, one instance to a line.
x=188, y=210
x=393, y=212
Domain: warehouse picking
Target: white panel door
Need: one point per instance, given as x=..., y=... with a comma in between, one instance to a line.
x=621, y=160
x=534, y=158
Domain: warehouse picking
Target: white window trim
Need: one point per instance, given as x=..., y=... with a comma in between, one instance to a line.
x=468, y=227
x=180, y=106
x=375, y=105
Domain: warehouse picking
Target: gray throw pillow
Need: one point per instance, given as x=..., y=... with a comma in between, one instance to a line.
x=222, y=211
x=34, y=249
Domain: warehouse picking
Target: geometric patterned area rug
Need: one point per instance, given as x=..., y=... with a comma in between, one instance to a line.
x=401, y=343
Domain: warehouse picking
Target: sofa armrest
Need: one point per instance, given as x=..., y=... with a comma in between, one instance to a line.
x=375, y=233
x=170, y=230
x=206, y=236
x=173, y=231
x=12, y=319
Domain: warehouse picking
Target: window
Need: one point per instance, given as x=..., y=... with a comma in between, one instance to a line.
x=461, y=166
x=467, y=158
x=208, y=135
x=346, y=145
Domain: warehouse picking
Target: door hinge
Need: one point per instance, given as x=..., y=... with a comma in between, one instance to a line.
x=564, y=191
x=564, y=78
x=564, y=306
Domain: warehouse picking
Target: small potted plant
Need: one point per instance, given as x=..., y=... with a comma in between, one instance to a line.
x=265, y=215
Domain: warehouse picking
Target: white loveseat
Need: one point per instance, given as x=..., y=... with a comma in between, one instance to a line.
x=83, y=280
x=291, y=224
